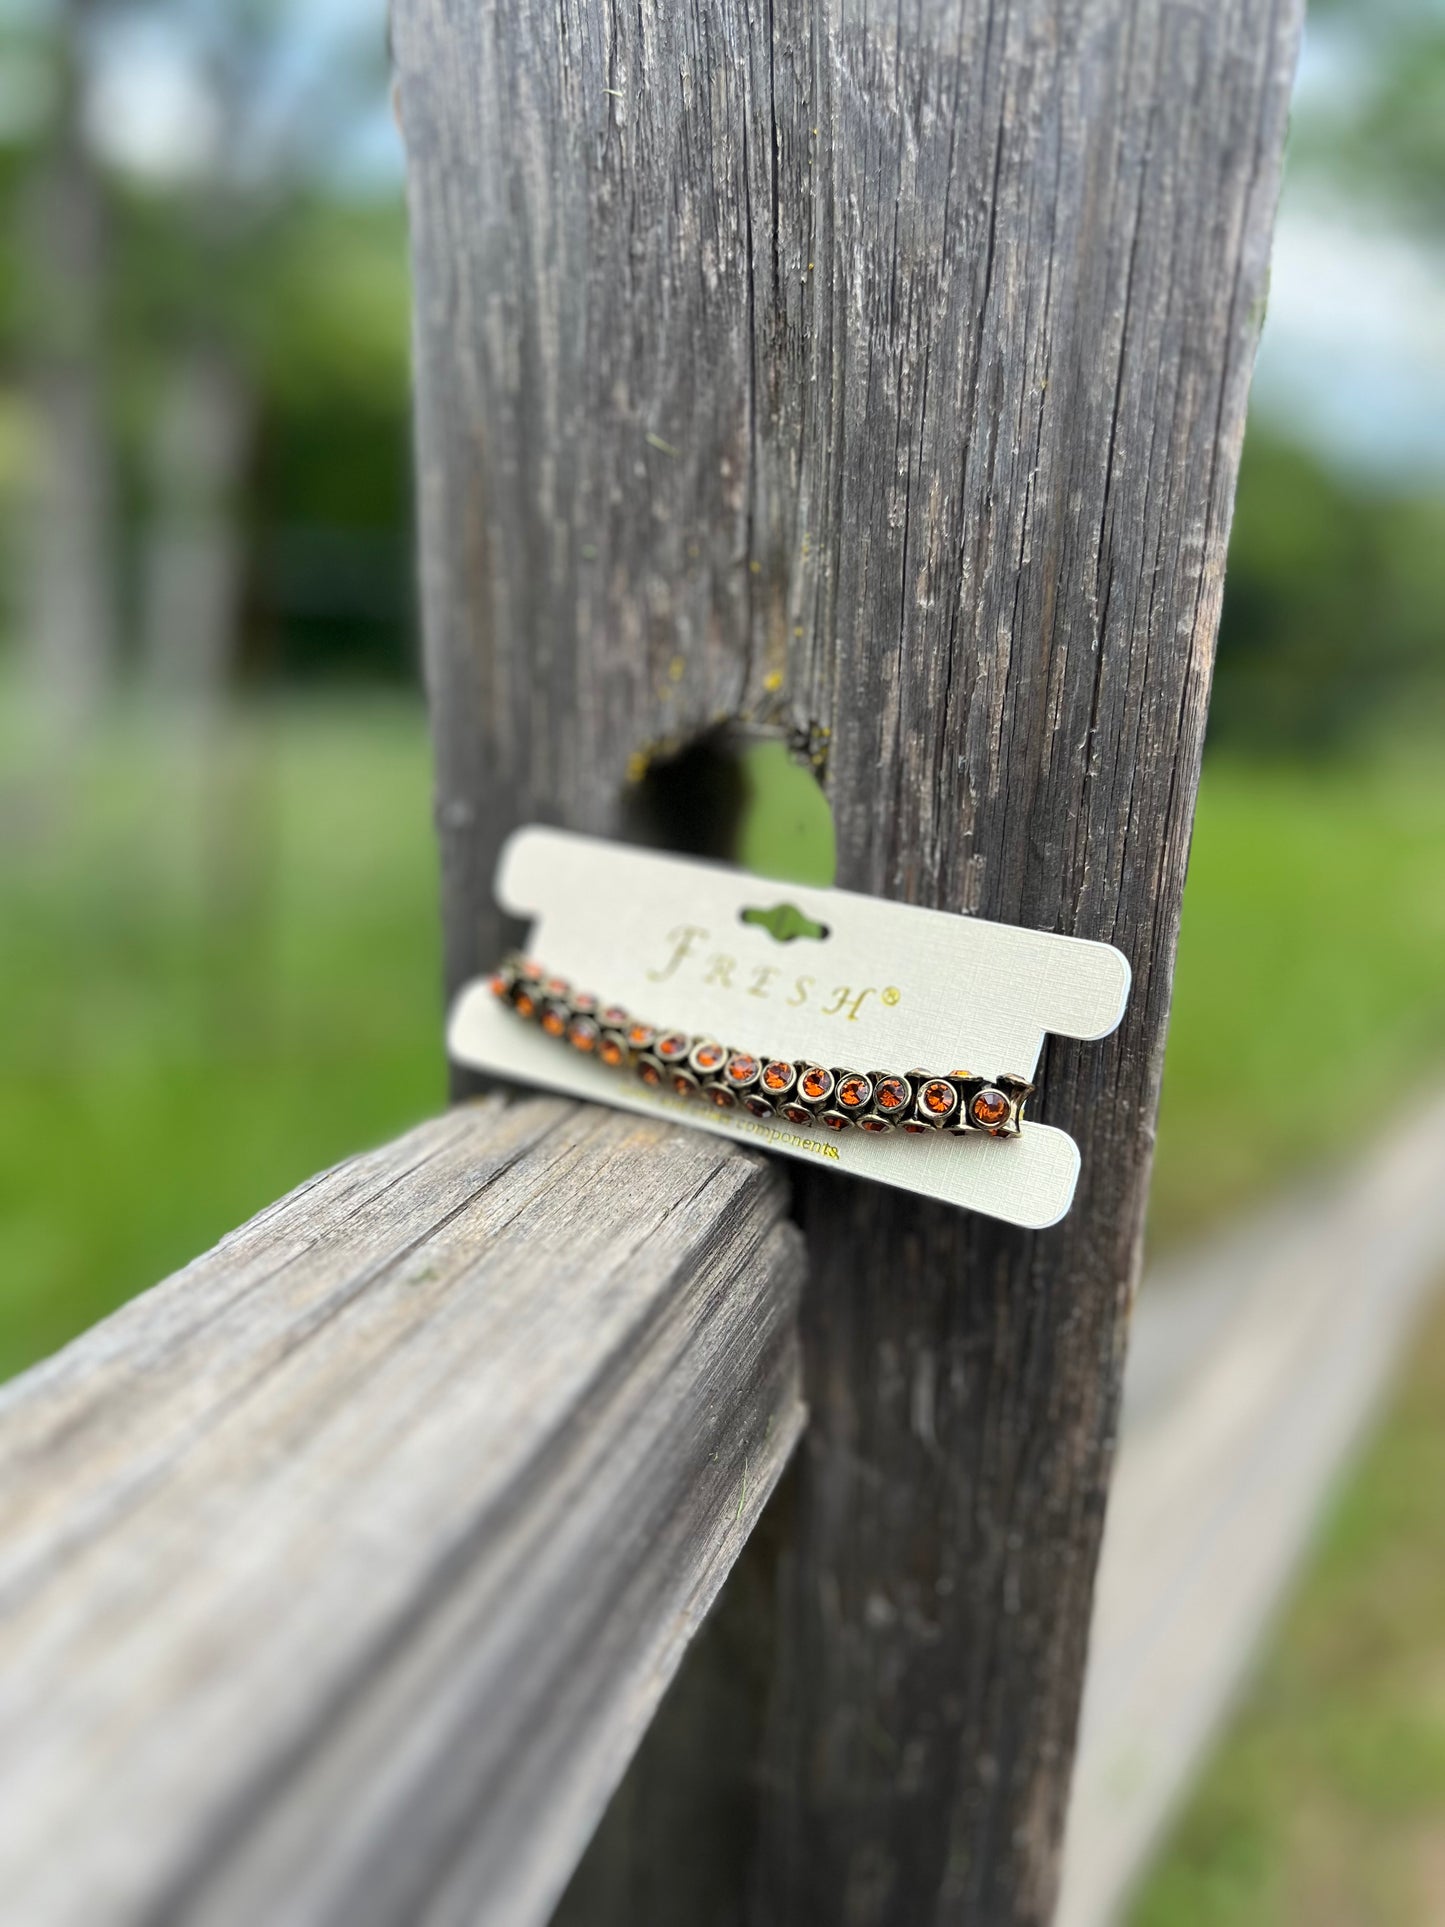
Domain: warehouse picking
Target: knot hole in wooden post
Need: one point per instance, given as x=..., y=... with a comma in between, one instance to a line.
x=739, y=796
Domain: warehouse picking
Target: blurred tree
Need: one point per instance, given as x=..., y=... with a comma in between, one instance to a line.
x=1377, y=133
x=274, y=102
x=212, y=264
x=1334, y=610
x=1332, y=626
x=69, y=600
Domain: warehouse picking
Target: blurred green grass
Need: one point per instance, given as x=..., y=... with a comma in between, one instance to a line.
x=1325, y=1802
x=1309, y=998
x=220, y=972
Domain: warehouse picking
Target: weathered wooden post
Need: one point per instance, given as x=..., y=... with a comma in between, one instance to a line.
x=877, y=376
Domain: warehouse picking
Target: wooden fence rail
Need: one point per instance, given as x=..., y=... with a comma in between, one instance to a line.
x=873, y=378
x=340, y=1573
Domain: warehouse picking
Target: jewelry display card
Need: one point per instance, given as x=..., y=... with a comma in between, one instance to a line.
x=849, y=982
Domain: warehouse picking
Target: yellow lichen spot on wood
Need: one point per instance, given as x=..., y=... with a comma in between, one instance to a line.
x=675, y=669
x=755, y=568
x=773, y=681
x=636, y=766
x=798, y=631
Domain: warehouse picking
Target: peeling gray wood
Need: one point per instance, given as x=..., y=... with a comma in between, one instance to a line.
x=339, y=1573
x=879, y=376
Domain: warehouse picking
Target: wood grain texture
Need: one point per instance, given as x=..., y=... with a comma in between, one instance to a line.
x=879, y=375
x=339, y=1574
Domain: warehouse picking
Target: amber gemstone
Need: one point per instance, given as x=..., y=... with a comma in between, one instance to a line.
x=816, y=1083
x=875, y=1124
x=612, y=1050
x=759, y=1105
x=742, y=1069
x=649, y=1072
x=615, y=1017
x=708, y=1057
x=640, y=1036
x=892, y=1093
x=556, y=986
x=685, y=1084
x=854, y=1091
x=671, y=1046
x=795, y=1113
x=915, y=1128
x=524, y=1004
x=554, y=1020
x=777, y=1076
x=583, y=1034
x=836, y=1120
x=583, y=1002
x=722, y=1097
x=990, y=1107
x=499, y=983
x=938, y=1098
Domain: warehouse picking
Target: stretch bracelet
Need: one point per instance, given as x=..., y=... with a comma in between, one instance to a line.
x=804, y=1093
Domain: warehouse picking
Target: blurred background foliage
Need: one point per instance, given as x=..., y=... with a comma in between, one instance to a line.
x=204, y=396
x=219, y=957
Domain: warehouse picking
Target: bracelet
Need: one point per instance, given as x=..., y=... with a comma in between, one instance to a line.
x=804, y=1093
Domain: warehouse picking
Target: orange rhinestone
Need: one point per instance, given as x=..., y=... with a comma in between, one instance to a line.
x=854, y=1091
x=815, y=1083
x=777, y=1076
x=650, y=1073
x=672, y=1046
x=640, y=1036
x=892, y=1093
x=990, y=1107
x=707, y=1057
x=742, y=1069
x=554, y=1020
x=611, y=1050
x=938, y=1098
x=874, y=1124
x=722, y=1097
x=583, y=1034
x=524, y=1005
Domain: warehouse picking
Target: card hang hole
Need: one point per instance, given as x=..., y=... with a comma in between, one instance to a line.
x=784, y=922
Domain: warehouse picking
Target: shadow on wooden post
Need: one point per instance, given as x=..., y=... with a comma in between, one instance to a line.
x=881, y=376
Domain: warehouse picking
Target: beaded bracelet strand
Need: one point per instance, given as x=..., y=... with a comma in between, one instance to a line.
x=803, y=1093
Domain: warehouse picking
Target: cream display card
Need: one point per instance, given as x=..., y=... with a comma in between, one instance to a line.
x=691, y=945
